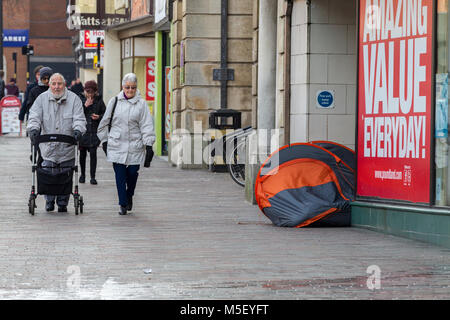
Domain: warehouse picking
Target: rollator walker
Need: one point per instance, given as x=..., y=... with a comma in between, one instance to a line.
x=57, y=181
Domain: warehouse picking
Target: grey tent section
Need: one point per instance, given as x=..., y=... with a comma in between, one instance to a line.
x=307, y=184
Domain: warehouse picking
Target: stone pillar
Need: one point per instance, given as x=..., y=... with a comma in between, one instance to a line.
x=267, y=60
x=258, y=146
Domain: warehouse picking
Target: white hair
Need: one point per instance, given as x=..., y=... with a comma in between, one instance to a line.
x=129, y=77
x=57, y=75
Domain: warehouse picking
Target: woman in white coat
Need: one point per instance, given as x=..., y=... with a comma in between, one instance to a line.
x=127, y=127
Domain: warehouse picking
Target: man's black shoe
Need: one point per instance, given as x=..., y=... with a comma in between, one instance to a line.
x=62, y=208
x=123, y=211
x=49, y=206
x=82, y=179
x=93, y=181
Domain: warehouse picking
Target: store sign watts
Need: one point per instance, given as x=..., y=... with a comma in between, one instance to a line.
x=394, y=99
x=77, y=20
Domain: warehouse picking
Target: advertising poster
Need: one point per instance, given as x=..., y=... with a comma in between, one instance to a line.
x=441, y=123
x=150, y=72
x=10, y=120
x=90, y=38
x=394, y=99
x=168, y=102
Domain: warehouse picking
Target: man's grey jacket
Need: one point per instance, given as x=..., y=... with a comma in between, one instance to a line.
x=61, y=116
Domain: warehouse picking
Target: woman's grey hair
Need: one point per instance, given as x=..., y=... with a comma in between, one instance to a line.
x=57, y=75
x=129, y=77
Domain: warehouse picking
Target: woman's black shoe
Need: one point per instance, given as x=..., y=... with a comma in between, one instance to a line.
x=130, y=203
x=82, y=179
x=123, y=211
x=62, y=208
x=93, y=181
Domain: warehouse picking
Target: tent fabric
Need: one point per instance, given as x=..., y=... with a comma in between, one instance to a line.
x=307, y=184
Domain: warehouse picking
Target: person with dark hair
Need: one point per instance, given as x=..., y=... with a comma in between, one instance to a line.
x=2, y=84
x=24, y=109
x=77, y=87
x=11, y=88
x=94, y=108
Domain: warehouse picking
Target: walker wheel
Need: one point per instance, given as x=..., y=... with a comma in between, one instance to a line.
x=31, y=205
x=76, y=203
x=81, y=204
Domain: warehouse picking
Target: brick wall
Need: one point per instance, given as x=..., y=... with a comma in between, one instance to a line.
x=15, y=16
x=46, y=22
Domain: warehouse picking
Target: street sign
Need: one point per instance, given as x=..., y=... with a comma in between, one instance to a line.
x=325, y=99
x=15, y=37
x=90, y=38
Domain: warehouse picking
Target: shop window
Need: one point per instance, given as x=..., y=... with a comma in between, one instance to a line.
x=139, y=70
x=87, y=6
x=110, y=8
x=441, y=107
x=127, y=66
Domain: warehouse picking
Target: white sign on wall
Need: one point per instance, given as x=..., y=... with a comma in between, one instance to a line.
x=160, y=10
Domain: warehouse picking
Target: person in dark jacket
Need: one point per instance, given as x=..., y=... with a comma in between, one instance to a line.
x=24, y=109
x=12, y=89
x=45, y=74
x=2, y=84
x=77, y=87
x=94, y=108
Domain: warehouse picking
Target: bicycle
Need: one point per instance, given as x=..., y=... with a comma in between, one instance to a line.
x=237, y=154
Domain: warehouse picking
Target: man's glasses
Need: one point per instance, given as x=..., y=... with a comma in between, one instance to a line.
x=45, y=78
x=130, y=87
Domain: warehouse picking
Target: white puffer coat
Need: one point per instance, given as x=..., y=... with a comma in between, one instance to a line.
x=131, y=130
x=57, y=117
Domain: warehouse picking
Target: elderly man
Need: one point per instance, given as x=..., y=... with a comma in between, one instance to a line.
x=57, y=111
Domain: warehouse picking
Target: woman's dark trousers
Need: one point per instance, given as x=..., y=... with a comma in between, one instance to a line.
x=126, y=179
x=93, y=160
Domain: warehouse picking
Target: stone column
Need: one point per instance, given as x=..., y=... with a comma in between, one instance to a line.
x=267, y=60
x=258, y=144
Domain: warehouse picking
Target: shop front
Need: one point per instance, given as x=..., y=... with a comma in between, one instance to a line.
x=403, y=181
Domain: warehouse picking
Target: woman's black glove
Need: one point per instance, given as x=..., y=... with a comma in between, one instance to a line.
x=148, y=156
x=105, y=147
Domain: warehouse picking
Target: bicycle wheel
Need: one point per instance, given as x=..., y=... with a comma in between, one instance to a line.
x=236, y=163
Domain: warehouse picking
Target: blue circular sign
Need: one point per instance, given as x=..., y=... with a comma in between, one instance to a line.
x=325, y=99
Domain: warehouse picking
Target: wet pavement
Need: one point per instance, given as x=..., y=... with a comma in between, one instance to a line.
x=192, y=235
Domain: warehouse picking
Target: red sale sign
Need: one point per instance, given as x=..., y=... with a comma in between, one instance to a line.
x=394, y=99
x=150, y=86
x=91, y=38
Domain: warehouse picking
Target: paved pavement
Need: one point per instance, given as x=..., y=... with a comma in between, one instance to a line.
x=192, y=235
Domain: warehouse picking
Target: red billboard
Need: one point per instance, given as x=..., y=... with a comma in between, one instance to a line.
x=394, y=99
